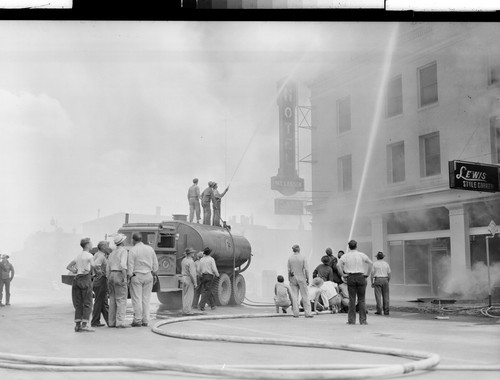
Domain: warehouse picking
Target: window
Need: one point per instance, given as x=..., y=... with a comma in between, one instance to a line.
x=344, y=114
x=416, y=259
x=495, y=139
x=410, y=262
x=345, y=173
x=430, y=156
x=396, y=162
x=396, y=262
x=394, y=101
x=494, y=69
x=428, y=90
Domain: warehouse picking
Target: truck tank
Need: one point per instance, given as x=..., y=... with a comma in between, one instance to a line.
x=219, y=240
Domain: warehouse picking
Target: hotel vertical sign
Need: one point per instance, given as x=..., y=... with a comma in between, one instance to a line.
x=287, y=182
x=474, y=176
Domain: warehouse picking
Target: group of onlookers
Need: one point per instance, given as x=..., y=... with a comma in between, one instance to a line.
x=338, y=284
x=112, y=273
x=197, y=280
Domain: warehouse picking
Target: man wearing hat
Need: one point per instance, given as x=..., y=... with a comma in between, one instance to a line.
x=208, y=270
x=298, y=276
x=142, y=265
x=206, y=197
x=188, y=272
x=116, y=272
x=194, y=201
x=380, y=276
x=332, y=262
x=6, y=276
x=217, y=203
x=197, y=290
x=81, y=290
x=353, y=265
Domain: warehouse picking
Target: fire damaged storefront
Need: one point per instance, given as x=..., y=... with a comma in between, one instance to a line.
x=419, y=257
x=424, y=260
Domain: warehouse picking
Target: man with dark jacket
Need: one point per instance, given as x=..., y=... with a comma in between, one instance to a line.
x=332, y=262
x=6, y=277
x=323, y=270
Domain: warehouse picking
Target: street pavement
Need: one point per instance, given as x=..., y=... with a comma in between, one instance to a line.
x=42, y=324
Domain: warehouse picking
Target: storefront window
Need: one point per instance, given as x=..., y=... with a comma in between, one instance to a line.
x=396, y=262
x=432, y=219
x=416, y=263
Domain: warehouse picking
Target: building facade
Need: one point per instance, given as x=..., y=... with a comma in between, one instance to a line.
x=380, y=172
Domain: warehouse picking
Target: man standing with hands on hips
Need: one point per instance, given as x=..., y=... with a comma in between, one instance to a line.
x=353, y=265
x=381, y=275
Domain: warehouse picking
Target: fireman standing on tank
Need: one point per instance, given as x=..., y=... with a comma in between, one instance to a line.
x=194, y=201
x=189, y=282
x=217, y=203
x=206, y=197
x=208, y=270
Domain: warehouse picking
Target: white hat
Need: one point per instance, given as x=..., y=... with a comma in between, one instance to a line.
x=119, y=238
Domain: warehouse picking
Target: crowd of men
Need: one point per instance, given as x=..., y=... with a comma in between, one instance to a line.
x=339, y=284
x=209, y=196
x=112, y=273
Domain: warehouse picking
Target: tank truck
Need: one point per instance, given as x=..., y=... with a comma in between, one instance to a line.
x=169, y=239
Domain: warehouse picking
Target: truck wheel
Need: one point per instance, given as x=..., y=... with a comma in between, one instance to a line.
x=171, y=300
x=222, y=289
x=239, y=289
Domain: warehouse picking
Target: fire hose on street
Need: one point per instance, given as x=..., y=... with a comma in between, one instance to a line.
x=421, y=361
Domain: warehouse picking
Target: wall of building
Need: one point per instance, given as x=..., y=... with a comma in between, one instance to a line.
x=466, y=101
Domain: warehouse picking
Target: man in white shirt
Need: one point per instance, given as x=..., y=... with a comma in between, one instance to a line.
x=298, y=276
x=329, y=294
x=194, y=201
x=189, y=282
x=354, y=265
x=116, y=273
x=208, y=270
x=380, y=276
x=142, y=265
x=81, y=290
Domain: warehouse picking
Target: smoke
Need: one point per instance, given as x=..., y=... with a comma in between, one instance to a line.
x=473, y=284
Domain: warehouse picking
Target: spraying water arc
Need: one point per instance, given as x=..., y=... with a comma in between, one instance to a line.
x=386, y=68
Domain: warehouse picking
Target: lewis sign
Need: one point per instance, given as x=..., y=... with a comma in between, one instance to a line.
x=473, y=176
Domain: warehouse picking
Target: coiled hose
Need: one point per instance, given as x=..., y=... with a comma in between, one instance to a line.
x=492, y=311
x=423, y=360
